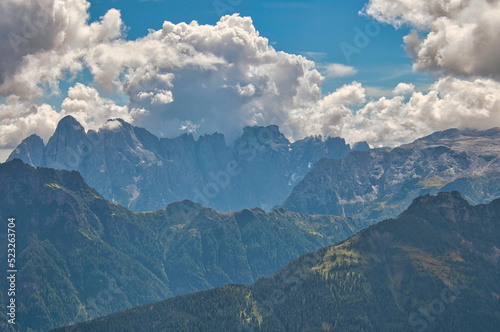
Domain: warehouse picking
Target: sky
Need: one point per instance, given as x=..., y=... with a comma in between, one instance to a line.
x=382, y=71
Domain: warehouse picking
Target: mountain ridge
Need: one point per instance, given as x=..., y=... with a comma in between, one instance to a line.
x=431, y=269
x=81, y=257
x=129, y=165
x=382, y=182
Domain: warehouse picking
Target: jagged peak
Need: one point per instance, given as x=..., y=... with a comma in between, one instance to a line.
x=274, y=130
x=361, y=146
x=213, y=138
x=115, y=125
x=30, y=150
x=69, y=122
x=32, y=138
x=31, y=141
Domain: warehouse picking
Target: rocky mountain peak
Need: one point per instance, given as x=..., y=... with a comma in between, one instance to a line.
x=381, y=182
x=69, y=123
x=135, y=168
x=265, y=134
x=63, y=149
x=361, y=146
x=30, y=151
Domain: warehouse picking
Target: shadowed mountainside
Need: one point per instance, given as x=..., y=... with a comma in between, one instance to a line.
x=80, y=256
x=381, y=183
x=434, y=268
x=138, y=170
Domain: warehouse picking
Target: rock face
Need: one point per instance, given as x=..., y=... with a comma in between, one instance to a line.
x=30, y=151
x=434, y=268
x=133, y=167
x=80, y=257
x=381, y=183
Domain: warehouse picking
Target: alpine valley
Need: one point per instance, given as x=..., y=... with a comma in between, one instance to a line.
x=434, y=268
x=80, y=257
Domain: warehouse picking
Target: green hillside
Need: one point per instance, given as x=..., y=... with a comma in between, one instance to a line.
x=434, y=268
x=80, y=257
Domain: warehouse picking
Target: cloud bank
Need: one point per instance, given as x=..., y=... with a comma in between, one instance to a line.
x=207, y=78
x=460, y=36
x=449, y=103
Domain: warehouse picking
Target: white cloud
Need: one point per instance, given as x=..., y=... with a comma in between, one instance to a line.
x=377, y=92
x=247, y=91
x=221, y=77
x=403, y=89
x=86, y=105
x=113, y=125
x=329, y=116
x=189, y=126
x=449, y=103
x=333, y=70
x=43, y=40
x=20, y=119
x=459, y=37
x=163, y=97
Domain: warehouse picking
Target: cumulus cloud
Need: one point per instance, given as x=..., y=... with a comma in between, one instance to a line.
x=184, y=77
x=215, y=77
x=449, y=103
x=458, y=37
x=21, y=119
x=86, y=105
x=43, y=43
x=330, y=115
x=403, y=89
x=44, y=40
x=333, y=70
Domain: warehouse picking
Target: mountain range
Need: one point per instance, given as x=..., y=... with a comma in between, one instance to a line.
x=381, y=183
x=434, y=268
x=81, y=256
x=138, y=170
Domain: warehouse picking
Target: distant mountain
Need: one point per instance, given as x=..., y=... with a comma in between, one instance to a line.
x=136, y=169
x=434, y=268
x=81, y=257
x=381, y=183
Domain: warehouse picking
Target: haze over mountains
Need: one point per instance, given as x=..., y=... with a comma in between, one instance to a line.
x=434, y=268
x=82, y=257
x=138, y=170
x=381, y=183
